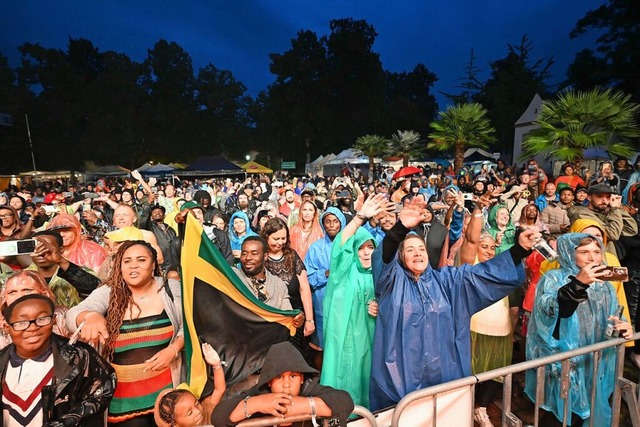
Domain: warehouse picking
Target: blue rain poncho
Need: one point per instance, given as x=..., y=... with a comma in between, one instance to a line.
x=317, y=262
x=422, y=331
x=585, y=326
x=236, y=241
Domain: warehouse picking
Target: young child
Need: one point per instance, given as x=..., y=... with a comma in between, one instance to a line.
x=287, y=387
x=64, y=384
x=180, y=408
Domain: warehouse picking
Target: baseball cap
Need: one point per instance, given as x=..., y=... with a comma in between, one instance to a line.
x=124, y=234
x=601, y=188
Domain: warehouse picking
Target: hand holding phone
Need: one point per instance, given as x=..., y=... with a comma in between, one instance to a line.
x=17, y=247
x=616, y=274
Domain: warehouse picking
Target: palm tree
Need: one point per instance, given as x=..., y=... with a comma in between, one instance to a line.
x=371, y=146
x=577, y=121
x=460, y=127
x=405, y=143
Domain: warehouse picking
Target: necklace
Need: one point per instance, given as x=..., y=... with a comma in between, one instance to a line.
x=143, y=297
x=273, y=258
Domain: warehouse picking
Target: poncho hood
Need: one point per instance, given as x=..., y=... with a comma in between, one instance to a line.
x=567, y=244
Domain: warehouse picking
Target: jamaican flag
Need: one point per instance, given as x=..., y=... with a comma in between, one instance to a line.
x=220, y=310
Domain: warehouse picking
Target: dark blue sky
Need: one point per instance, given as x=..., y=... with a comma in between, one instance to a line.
x=238, y=35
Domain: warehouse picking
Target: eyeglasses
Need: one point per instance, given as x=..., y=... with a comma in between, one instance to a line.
x=23, y=325
x=9, y=215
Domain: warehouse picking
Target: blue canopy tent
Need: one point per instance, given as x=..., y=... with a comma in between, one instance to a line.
x=211, y=166
x=157, y=171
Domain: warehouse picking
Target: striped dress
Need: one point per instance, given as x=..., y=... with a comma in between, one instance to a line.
x=136, y=390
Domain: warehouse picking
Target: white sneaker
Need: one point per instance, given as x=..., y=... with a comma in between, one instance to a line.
x=635, y=358
x=481, y=417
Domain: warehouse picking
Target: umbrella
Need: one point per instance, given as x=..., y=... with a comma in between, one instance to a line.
x=406, y=171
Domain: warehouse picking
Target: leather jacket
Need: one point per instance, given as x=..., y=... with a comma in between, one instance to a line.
x=83, y=385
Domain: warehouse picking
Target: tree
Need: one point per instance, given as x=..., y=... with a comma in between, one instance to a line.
x=299, y=110
x=356, y=78
x=514, y=81
x=170, y=87
x=576, y=121
x=461, y=127
x=406, y=144
x=371, y=146
x=618, y=24
x=409, y=99
x=222, y=112
x=469, y=84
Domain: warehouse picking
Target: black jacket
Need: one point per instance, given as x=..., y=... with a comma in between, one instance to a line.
x=82, y=388
x=280, y=358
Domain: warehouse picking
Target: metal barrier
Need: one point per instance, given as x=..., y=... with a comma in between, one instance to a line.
x=272, y=421
x=622, y=387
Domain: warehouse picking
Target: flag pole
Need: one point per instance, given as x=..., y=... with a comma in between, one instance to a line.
x=33, y=159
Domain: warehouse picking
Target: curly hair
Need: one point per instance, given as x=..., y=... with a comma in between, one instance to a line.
x=273, y=226
x=167, y=405
x=121, y=297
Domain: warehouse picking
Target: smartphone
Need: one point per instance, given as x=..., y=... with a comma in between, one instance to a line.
x=618, y=274
x=50, y=209
x=17, y=247
x=467, y=196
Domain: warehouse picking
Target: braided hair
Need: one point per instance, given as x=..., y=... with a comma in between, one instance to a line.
x=167, y=405
x=121, y=297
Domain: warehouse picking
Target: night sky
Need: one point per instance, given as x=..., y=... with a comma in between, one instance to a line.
x=238, y=35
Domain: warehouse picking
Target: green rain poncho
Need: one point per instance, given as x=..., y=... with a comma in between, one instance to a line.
x=348, y=328
x=509, y=235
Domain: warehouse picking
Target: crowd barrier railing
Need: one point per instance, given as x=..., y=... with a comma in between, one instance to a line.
x=273, y=421
x=623, y=388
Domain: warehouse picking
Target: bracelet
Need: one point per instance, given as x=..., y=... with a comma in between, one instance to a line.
x=217, y=367
x=310, y=321
x=174, y=349
x=246, y=413
x=480, y=215
x=362, y=217
x=314, y=412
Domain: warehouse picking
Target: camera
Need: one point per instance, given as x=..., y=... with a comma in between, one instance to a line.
x=50, y=209
x=467, y=196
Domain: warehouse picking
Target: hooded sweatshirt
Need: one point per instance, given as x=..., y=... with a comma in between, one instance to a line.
x=283, y=357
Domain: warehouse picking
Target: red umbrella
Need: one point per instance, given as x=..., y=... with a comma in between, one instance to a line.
x=406, y=171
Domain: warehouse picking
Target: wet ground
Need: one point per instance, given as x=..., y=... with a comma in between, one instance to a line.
x=523, y=408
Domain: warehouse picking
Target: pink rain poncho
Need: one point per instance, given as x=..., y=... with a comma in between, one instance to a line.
x=83, y=253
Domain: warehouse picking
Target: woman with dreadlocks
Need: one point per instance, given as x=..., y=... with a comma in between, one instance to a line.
x=137, y=320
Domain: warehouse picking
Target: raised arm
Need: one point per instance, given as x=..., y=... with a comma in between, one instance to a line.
x=370, y=208
x=469, y=247
x=410, y=216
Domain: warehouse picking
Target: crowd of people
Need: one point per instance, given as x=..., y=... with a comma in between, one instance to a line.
x=400, y=284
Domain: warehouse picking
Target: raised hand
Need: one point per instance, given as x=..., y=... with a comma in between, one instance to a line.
x=413, y=213
x=210, y=355
x=373, y=205
x=590, y=273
